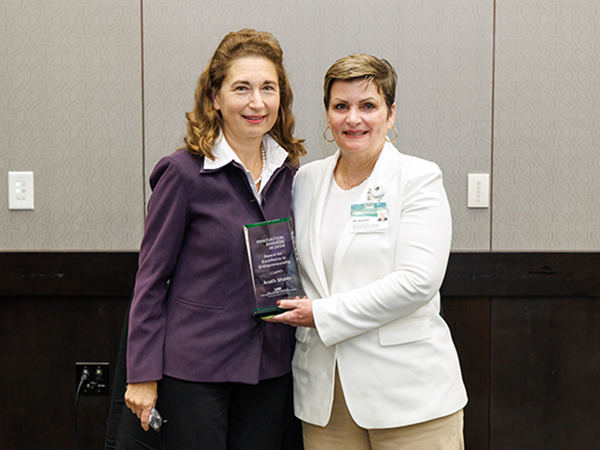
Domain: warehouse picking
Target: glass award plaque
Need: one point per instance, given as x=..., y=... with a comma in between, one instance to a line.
x=273, y=263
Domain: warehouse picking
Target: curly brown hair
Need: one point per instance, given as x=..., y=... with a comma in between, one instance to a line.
x=205, y=123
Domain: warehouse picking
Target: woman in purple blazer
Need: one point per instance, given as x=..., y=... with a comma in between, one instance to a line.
x=220, y=378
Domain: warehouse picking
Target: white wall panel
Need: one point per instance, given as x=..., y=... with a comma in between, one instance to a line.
x=442, y=51
x=70, y=105
x=547, y=126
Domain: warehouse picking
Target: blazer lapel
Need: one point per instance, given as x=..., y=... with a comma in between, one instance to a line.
x=320, y=192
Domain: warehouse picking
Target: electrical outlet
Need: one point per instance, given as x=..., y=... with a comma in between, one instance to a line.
x=97, y=382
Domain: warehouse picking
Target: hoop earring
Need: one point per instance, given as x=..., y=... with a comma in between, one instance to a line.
x=395, y=137
x=325, y=135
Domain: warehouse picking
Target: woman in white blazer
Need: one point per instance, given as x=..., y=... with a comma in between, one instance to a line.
x=375, y=366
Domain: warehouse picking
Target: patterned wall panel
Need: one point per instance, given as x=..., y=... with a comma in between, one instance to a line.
x=547, y=126
x=442, y=51
x=70, y=106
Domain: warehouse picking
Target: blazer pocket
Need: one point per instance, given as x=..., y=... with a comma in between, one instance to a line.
x=403, y=331
x=302, y=335
x=194, y=304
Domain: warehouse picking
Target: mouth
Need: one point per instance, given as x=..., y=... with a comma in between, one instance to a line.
x=254, y=119
x=355, y=133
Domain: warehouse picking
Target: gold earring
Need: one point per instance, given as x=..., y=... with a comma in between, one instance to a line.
x=325, y=135
x=395, y=137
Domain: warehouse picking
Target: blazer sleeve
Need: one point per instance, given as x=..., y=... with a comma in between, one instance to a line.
x=420, y=258
x=163, y=237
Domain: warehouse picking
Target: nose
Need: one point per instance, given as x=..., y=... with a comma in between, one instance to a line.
x=353, y=117
x=256, y=100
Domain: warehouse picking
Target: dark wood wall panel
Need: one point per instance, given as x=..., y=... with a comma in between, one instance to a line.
x=543, y=361
x=41, y=340
x=469, y=321
x=57, y=309
x=526, y=326
x=545, y=386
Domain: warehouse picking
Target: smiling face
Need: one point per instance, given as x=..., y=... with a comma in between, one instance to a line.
x=248, y=99
x=358, y=117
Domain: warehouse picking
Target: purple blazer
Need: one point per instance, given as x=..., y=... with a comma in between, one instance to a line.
x=191, y=316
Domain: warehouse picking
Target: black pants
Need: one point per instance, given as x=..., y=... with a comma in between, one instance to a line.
x=218, y=416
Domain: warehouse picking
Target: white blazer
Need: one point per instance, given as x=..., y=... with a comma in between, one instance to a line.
x=379, y=320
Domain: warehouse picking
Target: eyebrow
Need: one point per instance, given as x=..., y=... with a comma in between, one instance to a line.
x=368, y=99
x=246, y=82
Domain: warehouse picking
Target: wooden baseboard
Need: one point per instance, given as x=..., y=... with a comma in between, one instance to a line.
x=67, y=273
x=472, y=274
x=509, y=274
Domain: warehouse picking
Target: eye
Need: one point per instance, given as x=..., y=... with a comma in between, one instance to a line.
x=368, y=106
x=339, y=106
x=241, y=88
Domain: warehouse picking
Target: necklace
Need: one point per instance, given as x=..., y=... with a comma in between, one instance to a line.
x=264, y=164
x=355, y=184
x=340, y=173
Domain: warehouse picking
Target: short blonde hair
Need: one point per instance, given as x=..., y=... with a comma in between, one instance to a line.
x=363, y=66
x=205, y=123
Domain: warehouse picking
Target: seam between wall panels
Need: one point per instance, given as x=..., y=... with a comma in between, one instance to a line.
x=143, y=118
x=491, y=193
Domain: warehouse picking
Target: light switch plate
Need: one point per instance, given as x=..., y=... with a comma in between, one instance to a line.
x=20, y=190
x=478, y=190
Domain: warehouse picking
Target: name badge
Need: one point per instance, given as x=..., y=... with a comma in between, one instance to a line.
x=368, y=217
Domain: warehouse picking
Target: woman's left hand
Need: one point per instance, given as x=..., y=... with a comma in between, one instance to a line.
x=300, y=313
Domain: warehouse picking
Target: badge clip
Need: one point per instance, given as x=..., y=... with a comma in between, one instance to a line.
x=376, y=192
